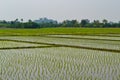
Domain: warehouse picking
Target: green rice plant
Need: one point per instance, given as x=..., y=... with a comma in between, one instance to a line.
x=88, y=36
x=75, y=42
x=59, y=64
x=10, y=44
x=42, y=31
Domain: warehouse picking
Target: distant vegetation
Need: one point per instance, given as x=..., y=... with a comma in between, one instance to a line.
x=46, y=31
x=44, y=22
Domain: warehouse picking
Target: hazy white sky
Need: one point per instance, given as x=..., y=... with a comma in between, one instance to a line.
x=60, y=9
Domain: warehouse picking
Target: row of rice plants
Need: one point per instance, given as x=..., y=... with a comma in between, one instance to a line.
x=88, y=36
x=39, y=37
x=10, y=44
x=59, y=64
x=76, y=42
x=110, y=35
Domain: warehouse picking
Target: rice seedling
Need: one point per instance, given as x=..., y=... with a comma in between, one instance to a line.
x=10, y=44
x=88, y=36
x=59, y=64
x=76, y=42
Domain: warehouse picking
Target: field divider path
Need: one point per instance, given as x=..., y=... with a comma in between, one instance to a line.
x=29, y=47
x=79, y=38
x=57, y=45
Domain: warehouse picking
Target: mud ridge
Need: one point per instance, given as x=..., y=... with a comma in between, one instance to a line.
x=29, y=47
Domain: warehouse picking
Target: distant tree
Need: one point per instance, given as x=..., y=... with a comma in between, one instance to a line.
x=84, y=22
x=21, y=20
x=66, y=23
x=70, y=23
x=30, y=24
x=75, y=23
x=119, y=24
x=105, y=21
x=30, y=21
x=4, y=21
x=22, y=26
x=96, y=23
x=16, y=20
x=44, y=22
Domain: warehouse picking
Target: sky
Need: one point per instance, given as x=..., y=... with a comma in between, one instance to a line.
x=60, y=9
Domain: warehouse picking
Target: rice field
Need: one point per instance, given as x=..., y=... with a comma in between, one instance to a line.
x=104, y=37
x=9, y=44
x=60, y=57
x=74, y=42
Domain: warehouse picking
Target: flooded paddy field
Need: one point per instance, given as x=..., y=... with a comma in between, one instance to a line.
x=60, y=57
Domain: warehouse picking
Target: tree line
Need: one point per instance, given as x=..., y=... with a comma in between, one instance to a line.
x=85, y=23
